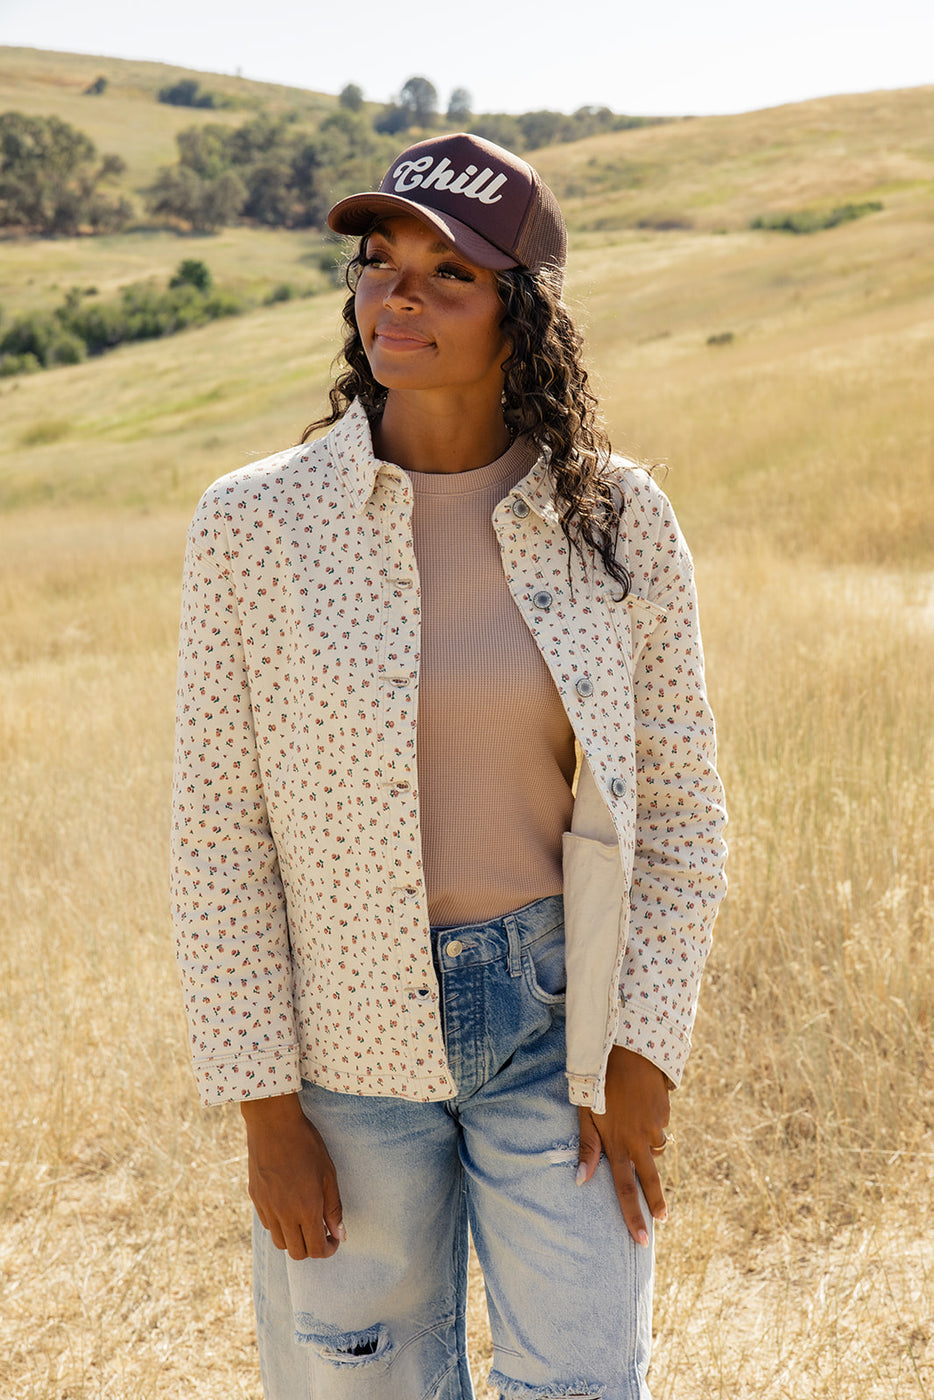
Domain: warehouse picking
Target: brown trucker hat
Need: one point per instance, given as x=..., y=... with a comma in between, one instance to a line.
x=486, y=202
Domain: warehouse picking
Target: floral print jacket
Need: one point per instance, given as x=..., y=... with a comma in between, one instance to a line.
x=298, y=896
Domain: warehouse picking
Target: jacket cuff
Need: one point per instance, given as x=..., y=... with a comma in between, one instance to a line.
x=231, y=1080
x=662, y=1042
x=587, y=1091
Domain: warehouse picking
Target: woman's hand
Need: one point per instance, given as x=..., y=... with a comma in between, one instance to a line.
x=637, y=1113
x=293, y=1183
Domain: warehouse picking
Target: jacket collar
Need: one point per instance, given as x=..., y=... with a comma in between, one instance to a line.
x=351, y=447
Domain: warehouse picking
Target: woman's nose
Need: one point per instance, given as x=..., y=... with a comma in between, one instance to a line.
x=402, y=292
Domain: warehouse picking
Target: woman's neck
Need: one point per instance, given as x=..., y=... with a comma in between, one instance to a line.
x=422, y=437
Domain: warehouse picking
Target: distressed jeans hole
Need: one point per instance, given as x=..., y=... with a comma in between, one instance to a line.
x=346, y=1348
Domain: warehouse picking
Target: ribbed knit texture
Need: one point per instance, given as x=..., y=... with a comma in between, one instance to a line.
x=495, y=747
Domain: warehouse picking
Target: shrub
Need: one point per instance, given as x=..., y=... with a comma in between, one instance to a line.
x=66, y=349
x=283, y=291
x=194, y=273
x=188, y=92
x=814, y=220
x=43, y=338
x=142, y=312
x=18, y=364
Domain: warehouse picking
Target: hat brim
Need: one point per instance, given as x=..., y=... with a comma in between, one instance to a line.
x=359, y=212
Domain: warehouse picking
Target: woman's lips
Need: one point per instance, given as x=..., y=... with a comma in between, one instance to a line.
x=392, y=338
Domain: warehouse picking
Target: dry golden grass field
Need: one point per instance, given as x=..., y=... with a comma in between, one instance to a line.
x=799, y=1258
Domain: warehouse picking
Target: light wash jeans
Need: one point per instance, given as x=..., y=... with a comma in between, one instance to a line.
x=569, y=1293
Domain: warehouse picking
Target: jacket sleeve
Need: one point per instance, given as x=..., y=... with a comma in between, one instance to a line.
x=228, y=902
x=678, y=872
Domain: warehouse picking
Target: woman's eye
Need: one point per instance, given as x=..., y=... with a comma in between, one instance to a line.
x=376, y=260
x=455, y=271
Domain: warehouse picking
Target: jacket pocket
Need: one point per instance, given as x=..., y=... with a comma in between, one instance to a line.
x=595, y=905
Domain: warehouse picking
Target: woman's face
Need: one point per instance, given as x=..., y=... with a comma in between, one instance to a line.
x=428, y=317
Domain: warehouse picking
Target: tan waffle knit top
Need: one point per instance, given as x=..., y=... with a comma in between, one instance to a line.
x=495, y=747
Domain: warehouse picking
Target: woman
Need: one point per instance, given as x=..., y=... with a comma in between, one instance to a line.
x=455, y=981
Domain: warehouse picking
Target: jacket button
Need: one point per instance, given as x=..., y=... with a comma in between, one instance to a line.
x=454, y=948
x=584, y=687
x=520, y=508
x=402, y=785
x=398, y=680
x=618, y=787
x=543, y=599
x=401, y=582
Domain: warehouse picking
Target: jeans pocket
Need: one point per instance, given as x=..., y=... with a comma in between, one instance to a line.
x=544, y=967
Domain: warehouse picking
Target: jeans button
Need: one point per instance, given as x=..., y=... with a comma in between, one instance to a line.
x=454, y=948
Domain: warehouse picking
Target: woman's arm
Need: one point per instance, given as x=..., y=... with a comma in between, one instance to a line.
x=678, y=878
x=678, y=871
x=228, y=900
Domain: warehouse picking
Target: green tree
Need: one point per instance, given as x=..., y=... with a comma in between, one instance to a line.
x=50, y=178
x=459, y=105
x=344, y=156
x=222, y=201
x=502, y=128
x=205, y=204
x=351, y=97
x=262, y=138
x=419, y=98
x=270, y=192
x=588, y=121
x=207, y=150
x=203, y=190
x=392, y=120
x=544, y=128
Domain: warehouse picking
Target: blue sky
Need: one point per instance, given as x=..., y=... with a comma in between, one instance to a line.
x=680, y=57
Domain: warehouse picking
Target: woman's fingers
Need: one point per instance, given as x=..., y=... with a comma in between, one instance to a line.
x=651, y=1183
x=624, y=1178
x=590, y=1147
x=637, y=1113
x=333, y=1212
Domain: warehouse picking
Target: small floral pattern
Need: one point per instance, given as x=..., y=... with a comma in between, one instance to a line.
x=298, y=892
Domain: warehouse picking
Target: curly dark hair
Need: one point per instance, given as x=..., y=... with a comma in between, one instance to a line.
x=546, y=396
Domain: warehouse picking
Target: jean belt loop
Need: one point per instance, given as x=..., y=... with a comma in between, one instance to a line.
x=514, y=965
